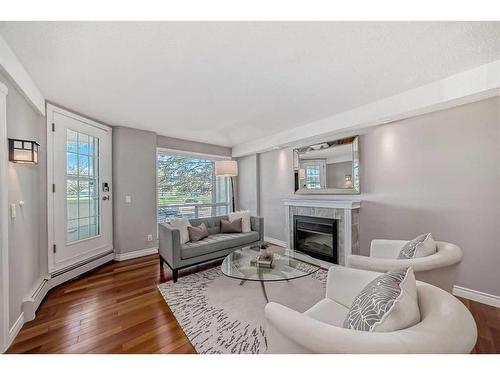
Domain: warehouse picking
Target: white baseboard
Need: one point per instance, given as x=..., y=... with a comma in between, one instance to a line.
x=275, y=241
x=136, y=254
x=474, y=295
x=14, y=330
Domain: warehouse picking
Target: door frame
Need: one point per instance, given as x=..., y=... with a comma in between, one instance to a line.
x=4, y=225
x=51, y=109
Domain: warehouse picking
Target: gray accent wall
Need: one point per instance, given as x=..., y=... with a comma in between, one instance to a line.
x=28, y=231
x=134, y=175
x=438, y=172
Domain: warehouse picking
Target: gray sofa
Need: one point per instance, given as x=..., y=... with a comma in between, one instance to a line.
x=216, y=245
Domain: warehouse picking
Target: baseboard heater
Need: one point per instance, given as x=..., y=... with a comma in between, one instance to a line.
x=80, y=264
x=39, y=288
x=31, y=303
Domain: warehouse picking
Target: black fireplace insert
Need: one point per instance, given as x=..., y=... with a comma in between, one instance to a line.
x=316, y=236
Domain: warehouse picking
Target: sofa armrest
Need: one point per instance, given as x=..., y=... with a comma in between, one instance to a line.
x=388, y=249
x=344, y=284
x=257, y=225
x=170, y=245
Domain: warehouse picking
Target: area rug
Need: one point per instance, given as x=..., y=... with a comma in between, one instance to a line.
x=220, y=316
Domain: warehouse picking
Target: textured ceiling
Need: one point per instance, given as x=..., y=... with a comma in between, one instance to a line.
x=231, y=82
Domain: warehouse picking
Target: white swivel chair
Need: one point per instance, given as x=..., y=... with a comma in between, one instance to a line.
x=446, y=325
x=439, y=269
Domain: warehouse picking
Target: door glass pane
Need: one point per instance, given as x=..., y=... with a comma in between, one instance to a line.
x=82, y=182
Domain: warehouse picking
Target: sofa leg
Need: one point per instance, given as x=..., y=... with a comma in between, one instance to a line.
x=175, y=274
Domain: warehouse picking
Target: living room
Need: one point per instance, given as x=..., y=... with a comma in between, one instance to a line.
x=250, y=187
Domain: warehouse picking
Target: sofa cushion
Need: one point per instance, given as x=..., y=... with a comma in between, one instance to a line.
x=328, y=311
x=216, y=242
x=388, y=303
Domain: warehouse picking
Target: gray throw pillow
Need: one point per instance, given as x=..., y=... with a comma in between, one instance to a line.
x=227, y=226
x=388, y=303
x=198, y=233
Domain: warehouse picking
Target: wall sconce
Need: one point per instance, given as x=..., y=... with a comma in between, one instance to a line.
x=348, y=181
x=23, y=151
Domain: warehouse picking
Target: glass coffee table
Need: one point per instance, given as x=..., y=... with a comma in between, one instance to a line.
x=287, y=265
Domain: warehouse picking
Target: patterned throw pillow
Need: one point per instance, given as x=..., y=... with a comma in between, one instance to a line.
x=388, y=303
x=420, y=246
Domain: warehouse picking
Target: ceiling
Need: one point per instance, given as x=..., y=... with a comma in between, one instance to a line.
x=232, y=82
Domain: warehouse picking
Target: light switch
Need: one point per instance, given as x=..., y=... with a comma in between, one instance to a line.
x=128, y=199
x=13, y=211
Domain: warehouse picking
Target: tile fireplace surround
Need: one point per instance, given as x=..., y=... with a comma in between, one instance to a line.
x=345, y=211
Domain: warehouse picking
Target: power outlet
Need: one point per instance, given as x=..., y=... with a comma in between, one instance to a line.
x=150, y=237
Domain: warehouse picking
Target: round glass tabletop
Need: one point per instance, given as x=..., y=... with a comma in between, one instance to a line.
x=287, y=264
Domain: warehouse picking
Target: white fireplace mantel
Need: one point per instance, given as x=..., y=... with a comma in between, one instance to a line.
x=323, y=203
x=349, y=209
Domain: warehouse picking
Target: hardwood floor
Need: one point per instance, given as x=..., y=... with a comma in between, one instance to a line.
x=114, y=309
x=488, y=326
x=118, y=309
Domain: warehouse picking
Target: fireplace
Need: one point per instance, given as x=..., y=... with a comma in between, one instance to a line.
x=316, y=236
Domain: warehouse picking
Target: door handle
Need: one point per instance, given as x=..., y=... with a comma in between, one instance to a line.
x=105, y=197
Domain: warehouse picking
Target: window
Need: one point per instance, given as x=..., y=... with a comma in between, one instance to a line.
x=82, y=180
x=188, y=188
x=314, y=173
x=313, y=180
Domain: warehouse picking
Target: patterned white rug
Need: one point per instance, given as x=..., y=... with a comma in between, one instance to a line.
x=219, y=315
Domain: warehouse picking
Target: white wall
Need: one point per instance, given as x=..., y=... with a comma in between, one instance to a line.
x=247, y=184
x=276, y=183
x=28, y=232
x=438, y=172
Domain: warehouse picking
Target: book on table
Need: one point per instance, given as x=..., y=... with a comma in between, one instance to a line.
x=264, y=262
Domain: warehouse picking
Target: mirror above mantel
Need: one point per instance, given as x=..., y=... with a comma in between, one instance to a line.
x=327, y=167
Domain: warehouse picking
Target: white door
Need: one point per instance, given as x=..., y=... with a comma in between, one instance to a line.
x=80, y=173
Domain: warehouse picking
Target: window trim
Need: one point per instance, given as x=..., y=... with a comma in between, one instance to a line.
x=189, y=153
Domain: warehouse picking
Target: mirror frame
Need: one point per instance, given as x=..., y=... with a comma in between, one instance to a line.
x=356, y=189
